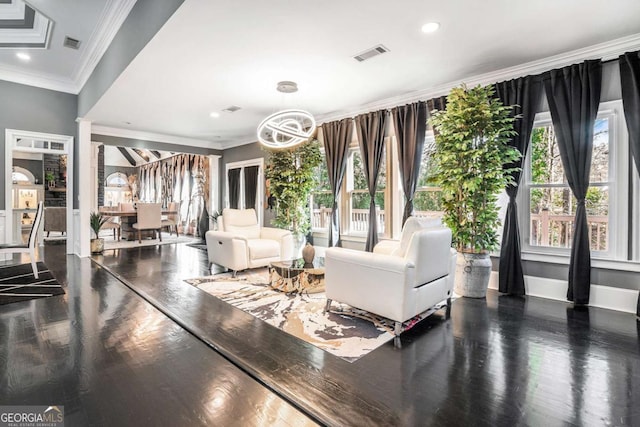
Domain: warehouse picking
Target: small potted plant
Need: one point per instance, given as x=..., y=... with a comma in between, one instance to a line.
x=96, y=221
x=51, y=179
x=472, y=150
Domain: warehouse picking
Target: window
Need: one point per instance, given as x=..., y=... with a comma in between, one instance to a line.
x=427, y=201
x=359, y=198
x=321, y=199
x=117, y=189
x=550, y=204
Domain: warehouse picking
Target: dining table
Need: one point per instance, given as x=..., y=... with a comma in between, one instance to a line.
x=127, y=219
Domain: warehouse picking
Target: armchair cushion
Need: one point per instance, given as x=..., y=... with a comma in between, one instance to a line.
x=242, y=222
x=263, y=248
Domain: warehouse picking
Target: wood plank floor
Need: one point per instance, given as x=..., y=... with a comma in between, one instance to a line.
x=501, y=361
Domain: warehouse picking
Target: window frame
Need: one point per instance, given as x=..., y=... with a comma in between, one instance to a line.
x=618, y=181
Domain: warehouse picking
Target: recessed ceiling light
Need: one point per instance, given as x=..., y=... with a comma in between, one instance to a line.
x=23, y=56
x=430, y=27
x=215, y=115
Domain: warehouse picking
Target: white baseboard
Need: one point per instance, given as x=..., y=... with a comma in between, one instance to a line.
x=608, y=297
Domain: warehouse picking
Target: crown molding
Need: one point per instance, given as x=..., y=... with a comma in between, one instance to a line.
x=111, y=19
x=51, y=82
x=606, y=51
x=154, y=137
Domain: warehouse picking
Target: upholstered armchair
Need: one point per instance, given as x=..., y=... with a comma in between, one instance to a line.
x=399, y=280
x=240, y=243
x=55, y=219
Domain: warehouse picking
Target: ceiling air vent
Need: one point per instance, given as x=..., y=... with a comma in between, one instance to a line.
x=71, y=42
x=231, y=109
x=370, y=53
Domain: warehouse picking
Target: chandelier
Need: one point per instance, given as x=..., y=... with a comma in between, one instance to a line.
x=286, y=128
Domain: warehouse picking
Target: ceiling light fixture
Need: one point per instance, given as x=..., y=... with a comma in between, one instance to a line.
x=286, y=128
x=23, y=56
x=430, y=27
x=215, y=115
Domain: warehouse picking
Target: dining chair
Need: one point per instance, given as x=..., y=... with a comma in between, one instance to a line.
x=30, y=246
x=172, y=219
x=149, y=218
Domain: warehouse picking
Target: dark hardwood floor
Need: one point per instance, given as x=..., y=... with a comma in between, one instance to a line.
x=115, y=360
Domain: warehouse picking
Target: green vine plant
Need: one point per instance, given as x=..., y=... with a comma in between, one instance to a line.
x=291, y=180
x=470, y=161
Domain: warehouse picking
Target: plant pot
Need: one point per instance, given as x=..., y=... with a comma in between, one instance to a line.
x=472, y=275
x=97, y=246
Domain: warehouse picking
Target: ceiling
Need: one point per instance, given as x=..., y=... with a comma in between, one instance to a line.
x=212, y=54
x=52, y=65
x=132, y=157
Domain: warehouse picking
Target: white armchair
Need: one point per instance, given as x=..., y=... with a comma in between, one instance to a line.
x=399, y=280
x=240, y=242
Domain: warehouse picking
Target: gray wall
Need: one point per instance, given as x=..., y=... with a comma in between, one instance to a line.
x=33, y=166
x=143, y=22
x=37, y=110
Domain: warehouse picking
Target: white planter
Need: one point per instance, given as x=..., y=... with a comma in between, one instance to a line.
x=472, y=275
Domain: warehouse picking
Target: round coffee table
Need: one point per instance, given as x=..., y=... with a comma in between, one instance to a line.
x=296, y=276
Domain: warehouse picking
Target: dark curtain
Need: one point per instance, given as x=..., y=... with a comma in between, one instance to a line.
x=630, y=80
x=410, y=123
x=234, y=187
x=250, y=186
x=371, y=128
x=524, y=95
x=337, y=136
x=574, y=94
x=439, y=104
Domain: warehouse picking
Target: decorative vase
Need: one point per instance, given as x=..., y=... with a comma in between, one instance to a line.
x=472, y=275
x=308, y=253
x=97, y=246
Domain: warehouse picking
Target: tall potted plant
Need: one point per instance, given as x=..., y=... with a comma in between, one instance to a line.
x=96, y=221
x=472, y=150
x=291, y=179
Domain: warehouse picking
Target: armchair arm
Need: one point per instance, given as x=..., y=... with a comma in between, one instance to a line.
x=372, y=260
x=227, y=249
x=284, y=237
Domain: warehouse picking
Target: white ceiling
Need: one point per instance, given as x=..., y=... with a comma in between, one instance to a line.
x=214, y=54
x=93, y=22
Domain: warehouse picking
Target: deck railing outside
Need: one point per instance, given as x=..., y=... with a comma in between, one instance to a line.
x=557, y=230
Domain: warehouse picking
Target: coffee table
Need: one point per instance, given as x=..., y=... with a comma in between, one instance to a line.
x=296, y=276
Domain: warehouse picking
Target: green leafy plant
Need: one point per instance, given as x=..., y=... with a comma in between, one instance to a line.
x=472, y=137
x=49, y=176
x=96, y=221
x=291, y=179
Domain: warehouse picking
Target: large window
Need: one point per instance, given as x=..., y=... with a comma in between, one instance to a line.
x=551, y=205
x=427, y=201
x=359, y=198
x=321, y=199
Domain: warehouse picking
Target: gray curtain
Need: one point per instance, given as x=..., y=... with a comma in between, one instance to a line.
x=524, y=95
x=574, y=95
x=250, y=186
x=234, y=187
x=410, y=123
x=337, y=136
x=630, y=80
x=371, y=129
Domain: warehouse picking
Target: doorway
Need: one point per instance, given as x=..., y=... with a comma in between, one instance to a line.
x=55, y=180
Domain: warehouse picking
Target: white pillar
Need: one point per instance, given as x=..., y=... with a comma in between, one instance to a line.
x=82, y=230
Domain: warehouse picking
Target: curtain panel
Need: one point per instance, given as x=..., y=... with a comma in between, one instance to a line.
x=573, y=93
x=630, y=80
x=336, y=139
x=410, y=124
x=250, y=186
x=370, y=128
x=523, y=95
x=234, y=187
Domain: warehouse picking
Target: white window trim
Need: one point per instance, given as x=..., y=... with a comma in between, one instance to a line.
x=618, y=191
